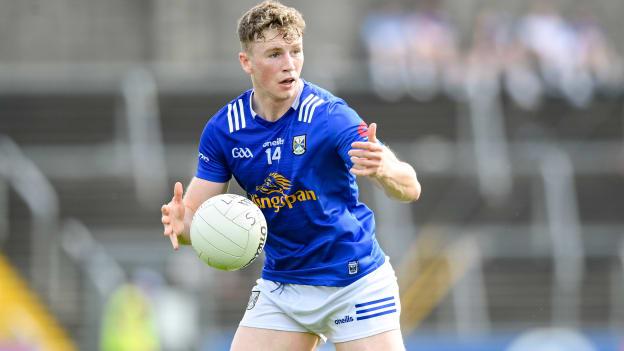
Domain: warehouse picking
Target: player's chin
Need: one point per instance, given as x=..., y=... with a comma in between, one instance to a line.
x=283, y=95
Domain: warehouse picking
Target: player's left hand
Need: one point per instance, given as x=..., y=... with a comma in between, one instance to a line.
x=370, y=158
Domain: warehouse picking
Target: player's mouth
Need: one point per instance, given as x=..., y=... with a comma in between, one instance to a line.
x=288, y=82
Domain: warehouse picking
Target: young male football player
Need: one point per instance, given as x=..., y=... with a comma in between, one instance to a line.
x=296, y=150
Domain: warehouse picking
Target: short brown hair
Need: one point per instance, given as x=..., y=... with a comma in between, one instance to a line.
x=270, y=15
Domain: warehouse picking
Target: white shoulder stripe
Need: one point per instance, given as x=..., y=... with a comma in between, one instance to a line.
x=320, y=101
x=303, y=105
x=236, y=116
x=306, y=113
x=242, y=112
x=236, y=123
x=230, y=117
x=307, y=107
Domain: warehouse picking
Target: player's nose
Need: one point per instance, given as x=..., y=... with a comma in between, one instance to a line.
x=289, y=62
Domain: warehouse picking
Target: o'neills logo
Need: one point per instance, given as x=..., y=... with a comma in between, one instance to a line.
x=346, y=319
x=275, y=188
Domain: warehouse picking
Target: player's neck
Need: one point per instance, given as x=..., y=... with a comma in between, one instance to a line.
x=270, y=108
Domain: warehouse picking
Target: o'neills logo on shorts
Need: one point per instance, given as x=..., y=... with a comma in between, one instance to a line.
x=275, y=189
x=346, y=319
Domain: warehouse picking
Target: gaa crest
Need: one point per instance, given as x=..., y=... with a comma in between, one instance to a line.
x=253, y=299
x=299, y=144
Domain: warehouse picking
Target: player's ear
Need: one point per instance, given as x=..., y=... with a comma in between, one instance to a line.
x=245, y=62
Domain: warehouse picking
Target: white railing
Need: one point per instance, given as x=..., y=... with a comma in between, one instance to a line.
x=4, y=212
x=489, y=139
x=470, y=302
x=101, y=269
x=38, y=194
x=565, y=235
x=144, y=137
x=617, y=292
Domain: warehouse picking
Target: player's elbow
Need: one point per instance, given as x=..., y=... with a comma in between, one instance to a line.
x=407, y=194
x=413, y=193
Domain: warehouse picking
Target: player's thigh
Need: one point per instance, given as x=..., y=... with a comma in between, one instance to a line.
x=391, y=340
x=258, y=339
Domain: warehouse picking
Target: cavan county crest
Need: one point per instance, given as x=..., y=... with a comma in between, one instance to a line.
x=299, y=144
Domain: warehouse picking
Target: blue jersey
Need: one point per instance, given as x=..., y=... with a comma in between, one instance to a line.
x=296, y=170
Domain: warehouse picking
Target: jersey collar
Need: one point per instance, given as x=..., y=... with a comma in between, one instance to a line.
x=294, y=105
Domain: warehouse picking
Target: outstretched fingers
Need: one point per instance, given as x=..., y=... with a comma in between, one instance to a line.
x=372, y=133
x=169, y=211
x=362, y=171
x=359, y=153
x=366, y=145
x=174, y=241
x=177, y=193
x=166, y=220
x=364, y=162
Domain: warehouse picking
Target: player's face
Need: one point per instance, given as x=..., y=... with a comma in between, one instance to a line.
x=274, y=65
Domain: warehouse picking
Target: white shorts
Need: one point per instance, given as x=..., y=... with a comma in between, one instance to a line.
x=366, y=307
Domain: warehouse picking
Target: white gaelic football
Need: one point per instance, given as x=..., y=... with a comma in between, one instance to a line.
x=228, y=232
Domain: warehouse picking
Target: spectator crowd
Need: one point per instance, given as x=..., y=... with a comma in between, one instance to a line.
x=542, y=53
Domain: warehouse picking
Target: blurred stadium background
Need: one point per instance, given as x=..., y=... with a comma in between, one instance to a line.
x=511, y=112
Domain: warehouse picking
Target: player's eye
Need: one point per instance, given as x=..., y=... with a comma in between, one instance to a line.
x=274, y=54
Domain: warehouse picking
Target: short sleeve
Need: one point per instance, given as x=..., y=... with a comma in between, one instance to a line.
x=346, y=127
x=211, y=164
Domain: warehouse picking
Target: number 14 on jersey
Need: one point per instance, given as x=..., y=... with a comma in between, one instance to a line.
x=273, y=154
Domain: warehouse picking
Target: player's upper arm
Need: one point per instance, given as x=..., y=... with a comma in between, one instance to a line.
x=212, y=164
x=347, y=127
x=200, y=190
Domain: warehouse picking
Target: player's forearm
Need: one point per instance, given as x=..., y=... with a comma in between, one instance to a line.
x=400, y=182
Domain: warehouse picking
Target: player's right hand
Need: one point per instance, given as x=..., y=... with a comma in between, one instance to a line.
x=173, y=216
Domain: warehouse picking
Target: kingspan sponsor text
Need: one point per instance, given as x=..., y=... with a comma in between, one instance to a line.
x=278, y=201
